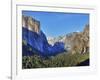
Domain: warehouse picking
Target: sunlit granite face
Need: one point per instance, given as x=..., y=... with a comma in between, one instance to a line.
x=37, y=40
x=31, y=24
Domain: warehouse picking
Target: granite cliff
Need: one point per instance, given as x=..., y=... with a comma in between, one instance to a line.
x=31, y=23
x=76, y=42
x=35, y=41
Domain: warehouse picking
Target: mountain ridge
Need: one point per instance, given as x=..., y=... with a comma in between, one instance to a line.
x=34, y=36
x=73, y=40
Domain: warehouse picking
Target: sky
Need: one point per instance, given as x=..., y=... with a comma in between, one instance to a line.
x=55, y=24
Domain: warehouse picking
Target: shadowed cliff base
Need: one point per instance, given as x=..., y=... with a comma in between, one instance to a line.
x=84, y=63
x=69, y=50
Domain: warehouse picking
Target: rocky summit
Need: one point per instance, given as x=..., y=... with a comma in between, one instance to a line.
x=75, y=42
x=35, y=41
x=31, y=23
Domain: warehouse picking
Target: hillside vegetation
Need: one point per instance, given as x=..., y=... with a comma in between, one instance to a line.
x=38, y=51
x=61, y=60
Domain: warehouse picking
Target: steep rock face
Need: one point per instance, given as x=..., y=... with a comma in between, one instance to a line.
x=80, y=43
x=67, y=39
x=30, y=23
x=37, y=40
x=76, y=42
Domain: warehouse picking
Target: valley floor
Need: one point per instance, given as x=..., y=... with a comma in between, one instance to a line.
x=61, y=60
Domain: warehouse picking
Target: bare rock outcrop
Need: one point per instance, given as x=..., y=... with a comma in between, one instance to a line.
x=76, y=42
x=31, y=23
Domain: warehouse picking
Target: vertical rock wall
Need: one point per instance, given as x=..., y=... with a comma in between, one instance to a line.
x=31, y=24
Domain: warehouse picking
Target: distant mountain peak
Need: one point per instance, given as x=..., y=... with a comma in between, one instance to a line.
x=36, y=39
x=75, y=41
